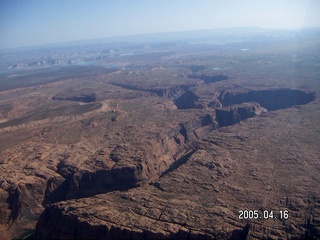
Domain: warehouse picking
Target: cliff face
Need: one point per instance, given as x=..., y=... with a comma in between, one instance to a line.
x=14, y=201
x=21, y=205
x=172, y=92
x=81, y=95
x=65, y=220
x=188, y=100
x=55, y=224
x=126, y=166
x=88, y=183
x=231, y=115
x=59, y=221
x=272, y=99
x=195, y=198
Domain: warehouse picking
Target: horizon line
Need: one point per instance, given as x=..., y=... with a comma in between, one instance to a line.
x=152, y=33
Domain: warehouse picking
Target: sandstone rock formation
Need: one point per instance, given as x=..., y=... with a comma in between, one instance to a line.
x=146, y=152
x=195, y=198
x=188, y=100
x=231, y=115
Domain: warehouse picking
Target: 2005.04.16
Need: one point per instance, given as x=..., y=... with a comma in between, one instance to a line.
x=265, y=214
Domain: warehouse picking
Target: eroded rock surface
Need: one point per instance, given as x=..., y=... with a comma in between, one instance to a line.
x=195, y=200
x=231, y=115
x=148, y=152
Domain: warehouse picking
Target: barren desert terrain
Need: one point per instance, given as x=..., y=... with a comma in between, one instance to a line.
x=169, y=140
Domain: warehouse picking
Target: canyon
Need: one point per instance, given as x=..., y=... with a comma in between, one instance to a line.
x=168, y=146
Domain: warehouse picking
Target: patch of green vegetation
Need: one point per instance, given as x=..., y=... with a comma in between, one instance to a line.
x=51, y=113
x=27, y=235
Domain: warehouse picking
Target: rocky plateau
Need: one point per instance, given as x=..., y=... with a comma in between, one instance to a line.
x=162, y=150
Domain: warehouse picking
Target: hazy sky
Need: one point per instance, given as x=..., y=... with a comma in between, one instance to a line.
x=25, y=23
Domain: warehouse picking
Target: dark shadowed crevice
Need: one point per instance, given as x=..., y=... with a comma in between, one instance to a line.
x=178, y=163
x=274, y=99
x=87, y=184
x=241, y=234
x=188, y=100
x=14, y=201
x=271, y=99
x=228, y=116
